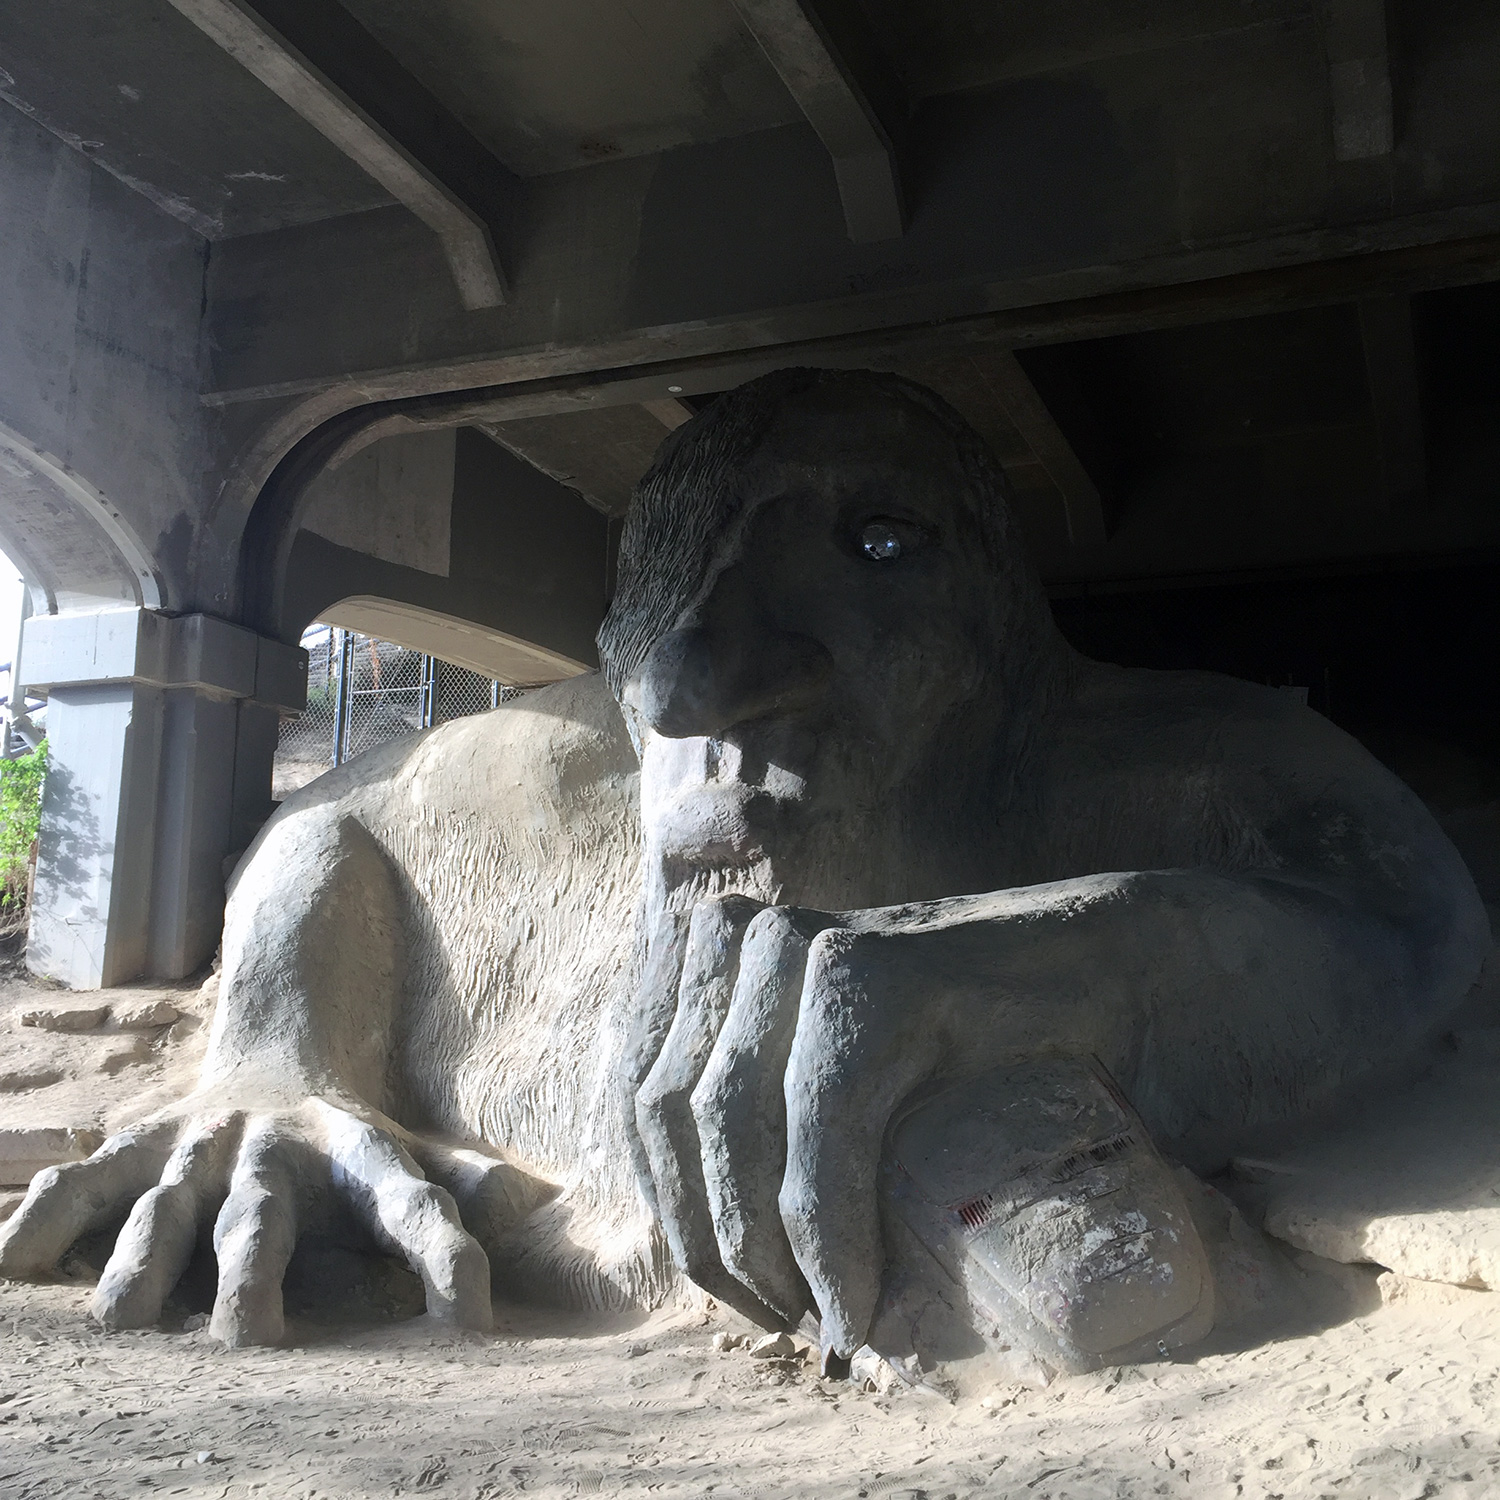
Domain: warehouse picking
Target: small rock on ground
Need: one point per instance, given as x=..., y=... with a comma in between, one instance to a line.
x=144, y=1015
x=65, y=1015
x=773, y=1346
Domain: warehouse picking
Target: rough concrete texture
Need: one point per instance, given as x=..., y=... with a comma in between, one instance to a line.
x=885, y=830
x=1072, y=1245
x=1411, y=1181
x=850, y=704
x=102, y=292
x=1398, y=1291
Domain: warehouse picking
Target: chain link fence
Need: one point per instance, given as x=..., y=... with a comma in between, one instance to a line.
x=363, y=692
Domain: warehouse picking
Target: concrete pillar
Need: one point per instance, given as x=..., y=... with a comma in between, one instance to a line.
x=160, y=736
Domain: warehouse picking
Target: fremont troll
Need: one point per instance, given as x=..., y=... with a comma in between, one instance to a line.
x=627, y=980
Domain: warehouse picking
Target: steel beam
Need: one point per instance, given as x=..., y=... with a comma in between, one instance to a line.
x=849, y=96
x=316, y=58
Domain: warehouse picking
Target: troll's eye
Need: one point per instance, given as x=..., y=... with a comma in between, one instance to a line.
x=879, y=541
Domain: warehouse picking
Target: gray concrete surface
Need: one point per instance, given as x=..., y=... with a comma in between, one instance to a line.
x=153, y=727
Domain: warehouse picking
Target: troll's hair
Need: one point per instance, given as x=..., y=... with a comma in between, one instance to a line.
x=691, y=497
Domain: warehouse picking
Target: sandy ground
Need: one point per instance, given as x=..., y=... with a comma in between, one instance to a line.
x=91, y=1082
x=1356, y=1387
x=1399, y=1402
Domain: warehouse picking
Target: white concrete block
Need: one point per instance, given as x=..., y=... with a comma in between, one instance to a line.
x=1412, y=1184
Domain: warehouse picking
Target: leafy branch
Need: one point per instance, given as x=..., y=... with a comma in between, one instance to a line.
x=20, y=817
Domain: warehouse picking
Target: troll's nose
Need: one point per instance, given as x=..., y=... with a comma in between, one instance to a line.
x=700, y=681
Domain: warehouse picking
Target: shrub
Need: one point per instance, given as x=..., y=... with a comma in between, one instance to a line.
x=20, y=816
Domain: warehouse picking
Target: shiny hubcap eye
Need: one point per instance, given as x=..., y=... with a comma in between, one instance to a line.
x=879, y=541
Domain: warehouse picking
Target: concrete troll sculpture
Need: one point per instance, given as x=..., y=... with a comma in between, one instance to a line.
x=848, y=909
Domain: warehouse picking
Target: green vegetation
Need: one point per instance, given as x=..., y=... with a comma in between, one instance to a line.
x=20, y=815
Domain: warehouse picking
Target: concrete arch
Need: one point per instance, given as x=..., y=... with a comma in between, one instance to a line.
x=480, y=648
x=70, y=542
x=444, y=542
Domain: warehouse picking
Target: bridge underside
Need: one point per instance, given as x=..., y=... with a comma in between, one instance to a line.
x=361, y=312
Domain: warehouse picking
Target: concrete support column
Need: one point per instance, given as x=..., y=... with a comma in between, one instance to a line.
x=161, y=732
